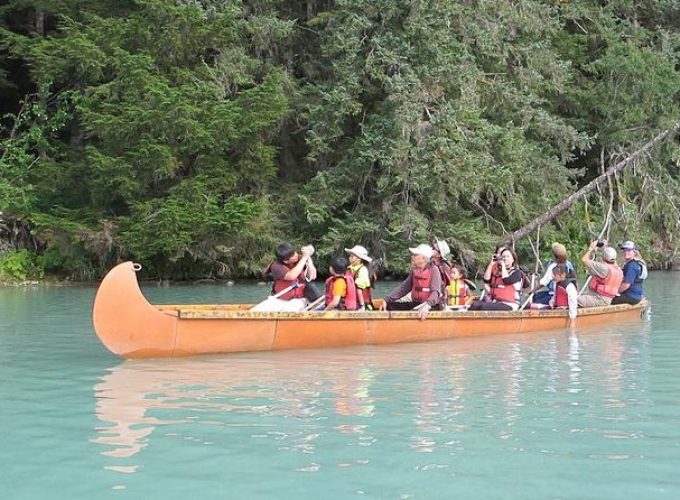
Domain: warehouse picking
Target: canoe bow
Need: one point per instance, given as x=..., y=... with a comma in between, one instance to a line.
x=126, y=323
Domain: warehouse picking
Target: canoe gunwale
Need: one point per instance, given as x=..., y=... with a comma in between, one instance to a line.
x=215, y=311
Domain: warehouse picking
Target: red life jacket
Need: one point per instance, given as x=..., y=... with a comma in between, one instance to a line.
x=296, y=293
x=500, y=292
x=457, y=292
x=561, y=297
x=366, y=292
x=349, y=301
x=609, y=286
x=420, y=284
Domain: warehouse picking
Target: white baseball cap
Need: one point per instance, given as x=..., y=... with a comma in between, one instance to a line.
x=609, y=254
x=422, y=249
x=360, y=252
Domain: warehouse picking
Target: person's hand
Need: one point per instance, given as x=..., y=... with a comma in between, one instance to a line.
x=307, y=251
x=424, y=311
x=383, y=306
x=593, y=245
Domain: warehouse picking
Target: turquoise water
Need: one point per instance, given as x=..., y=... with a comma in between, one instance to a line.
x=595, y=414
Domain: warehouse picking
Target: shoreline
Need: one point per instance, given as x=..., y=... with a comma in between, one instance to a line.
x=66, y=283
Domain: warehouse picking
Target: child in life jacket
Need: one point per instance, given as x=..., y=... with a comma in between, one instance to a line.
x=359, y=267
x=341, y=293
x=459, y=290
x=566, y=292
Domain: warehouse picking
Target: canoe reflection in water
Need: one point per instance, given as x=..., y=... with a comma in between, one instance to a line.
x=136, y=397
x=426, y=397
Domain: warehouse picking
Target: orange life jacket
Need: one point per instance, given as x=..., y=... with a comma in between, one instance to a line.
x=500, y=292
x=561, y=297
x=349, y=301
x=420, y=284
x=609, y=286
x=457, y=292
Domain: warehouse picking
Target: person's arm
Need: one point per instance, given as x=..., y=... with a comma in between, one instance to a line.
x=510, y=278
x=546, y=279
x=587, y=257
x=572, y=300
x=295, y=271
x=435, y=293
x=398, y=292
x=488, y=272
x=630, y=274
x=310, y=273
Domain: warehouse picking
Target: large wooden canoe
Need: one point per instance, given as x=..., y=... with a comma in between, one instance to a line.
x=129, y=326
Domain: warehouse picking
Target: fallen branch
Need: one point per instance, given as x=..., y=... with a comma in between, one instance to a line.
x=567, y=203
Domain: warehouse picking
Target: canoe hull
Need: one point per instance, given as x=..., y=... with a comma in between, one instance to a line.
x=132, y=328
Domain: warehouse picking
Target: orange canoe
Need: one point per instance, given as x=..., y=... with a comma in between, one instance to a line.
x=129, y=326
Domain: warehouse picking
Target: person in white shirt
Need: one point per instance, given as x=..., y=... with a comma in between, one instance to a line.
x=566, y=292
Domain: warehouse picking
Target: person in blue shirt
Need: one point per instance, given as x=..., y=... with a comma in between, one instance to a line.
x=634, y=273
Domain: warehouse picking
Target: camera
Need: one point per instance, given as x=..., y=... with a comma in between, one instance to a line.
x=496, y=258
x=601, y=243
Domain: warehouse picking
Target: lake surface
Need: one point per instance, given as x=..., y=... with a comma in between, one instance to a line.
x=589, y=415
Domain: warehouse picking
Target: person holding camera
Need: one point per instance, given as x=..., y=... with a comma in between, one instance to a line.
x=291, y=267
x=503, y=279
x=605, y=276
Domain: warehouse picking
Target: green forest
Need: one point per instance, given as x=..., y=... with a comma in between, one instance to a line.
x=193, y=136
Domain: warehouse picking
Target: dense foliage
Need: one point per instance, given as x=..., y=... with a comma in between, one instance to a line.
x=194, y=135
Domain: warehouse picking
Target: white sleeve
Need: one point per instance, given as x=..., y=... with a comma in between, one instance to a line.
x=572, y=297
x=547, y=277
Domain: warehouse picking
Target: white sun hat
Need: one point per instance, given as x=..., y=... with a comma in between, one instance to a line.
x=360, y=252
x=422, y=249
x=442, y=247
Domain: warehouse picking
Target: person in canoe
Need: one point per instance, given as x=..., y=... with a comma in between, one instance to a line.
x=459, y=290
x=504, y=279
x=341, y=292
x=559, y=256
x=440, y=252
x=566, y=292
x=634, y=273
x=424, y=282
x=293, y=271
x=605, y=276
x=359, y=262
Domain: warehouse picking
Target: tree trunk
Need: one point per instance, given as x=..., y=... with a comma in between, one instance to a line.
x=567, y=203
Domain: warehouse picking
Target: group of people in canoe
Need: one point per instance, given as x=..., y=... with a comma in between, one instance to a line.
x=435, y=284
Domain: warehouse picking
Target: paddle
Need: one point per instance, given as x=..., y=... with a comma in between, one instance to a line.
x=282, y=292
x=585, y=285
x=314, y=304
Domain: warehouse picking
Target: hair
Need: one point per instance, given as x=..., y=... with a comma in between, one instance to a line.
x=560, y=259
x=461, y=270
x=339, y=264
x=515, y=259
x=284, y=251
x=561, y=269
x=499, y=249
